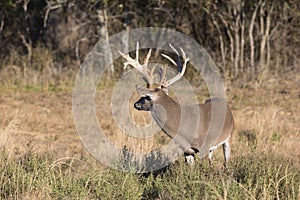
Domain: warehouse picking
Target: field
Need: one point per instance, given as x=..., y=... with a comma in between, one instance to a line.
x=255, y=45
x=42, y=155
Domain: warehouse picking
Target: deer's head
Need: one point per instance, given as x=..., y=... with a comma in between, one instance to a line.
x=154, y=92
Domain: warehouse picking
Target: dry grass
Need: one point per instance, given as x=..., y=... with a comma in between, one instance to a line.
x=37, y=130
x=38, y=73
x=34, y=124
x=42, y=119
x=266, y=118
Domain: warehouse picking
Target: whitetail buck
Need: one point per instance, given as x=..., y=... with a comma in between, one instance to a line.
x=168, y=113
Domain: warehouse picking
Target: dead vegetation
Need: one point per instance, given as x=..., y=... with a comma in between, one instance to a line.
x=266, y=116
x=45, y=158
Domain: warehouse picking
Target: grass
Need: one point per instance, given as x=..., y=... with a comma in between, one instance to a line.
x=37, y=162
x=42, y=157
x=252, y=177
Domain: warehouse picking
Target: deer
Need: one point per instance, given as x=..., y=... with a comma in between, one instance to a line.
x=175, y=120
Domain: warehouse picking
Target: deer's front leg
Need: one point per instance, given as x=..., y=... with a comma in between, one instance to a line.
x=190, y=156
x=190, y=159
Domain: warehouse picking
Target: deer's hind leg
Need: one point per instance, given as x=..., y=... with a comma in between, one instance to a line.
x=226, y=152
x=210, y=154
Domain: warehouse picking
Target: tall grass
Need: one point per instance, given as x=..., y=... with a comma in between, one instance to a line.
x=40, y=72
x=253, y=177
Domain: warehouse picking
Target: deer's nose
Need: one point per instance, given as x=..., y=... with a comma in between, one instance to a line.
x=138, y=106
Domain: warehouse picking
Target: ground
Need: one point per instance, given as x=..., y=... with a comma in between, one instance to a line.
x=266, y=117
x=266, y=125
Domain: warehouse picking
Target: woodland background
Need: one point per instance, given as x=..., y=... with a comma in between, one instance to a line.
x=245, y=38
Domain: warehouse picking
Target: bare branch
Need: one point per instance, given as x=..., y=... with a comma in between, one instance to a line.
x=26, y=2
x=77, y=48
x=48, y=11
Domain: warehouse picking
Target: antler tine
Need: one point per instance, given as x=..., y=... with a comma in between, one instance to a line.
x=137, y=52
x=147, y=57
x=152, y=71
x=162, y=74
x=173, y=48
x=182, y=70
x=186, y=60
x=142, y=69
x=169, y=58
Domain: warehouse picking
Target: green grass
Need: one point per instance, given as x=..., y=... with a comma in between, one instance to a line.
x=249, y=177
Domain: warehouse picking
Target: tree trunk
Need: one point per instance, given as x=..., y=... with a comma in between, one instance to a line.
x=251, y=40
x=242, y=41
x=265, y=32
x=102, y=17
x=222, y=47
x=237, y=47
x=231, y=40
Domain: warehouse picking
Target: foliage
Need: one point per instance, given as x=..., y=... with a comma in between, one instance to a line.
x=252, y=177
x=245, y=38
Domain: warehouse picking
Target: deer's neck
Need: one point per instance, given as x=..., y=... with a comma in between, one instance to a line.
x=166, y=112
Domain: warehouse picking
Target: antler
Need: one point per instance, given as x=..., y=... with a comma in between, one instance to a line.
x=148, y=75
x=180, y=68
x=142, y=68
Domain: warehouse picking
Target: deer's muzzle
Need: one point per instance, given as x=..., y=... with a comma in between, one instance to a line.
x=144, y=103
